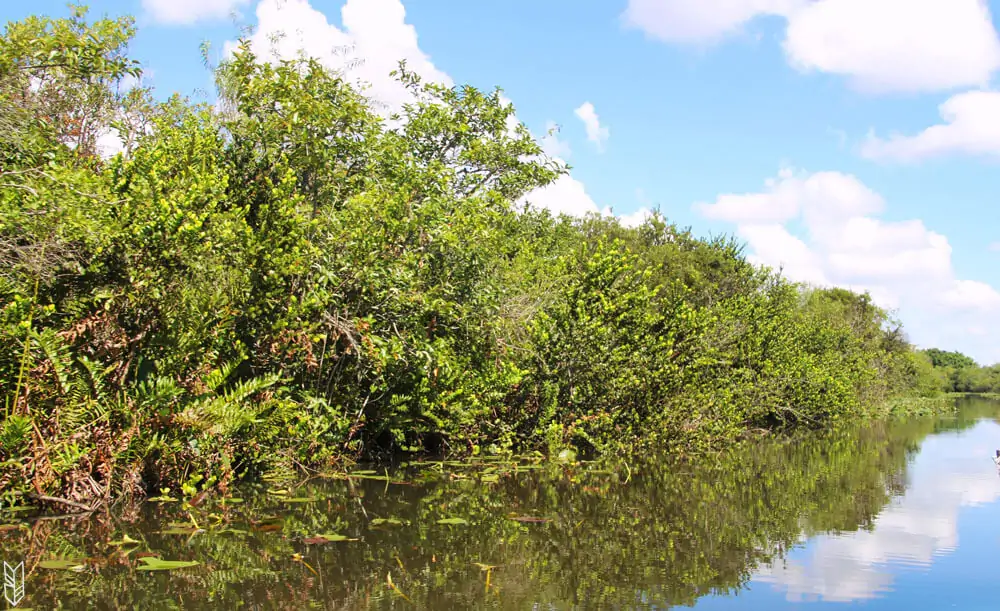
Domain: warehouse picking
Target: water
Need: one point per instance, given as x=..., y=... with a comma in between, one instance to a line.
x=885, y=516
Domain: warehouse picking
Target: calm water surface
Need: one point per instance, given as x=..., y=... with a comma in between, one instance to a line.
x=888, y=516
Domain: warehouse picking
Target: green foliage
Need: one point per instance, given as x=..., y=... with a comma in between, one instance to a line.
x=954, y=372
x=289, y=280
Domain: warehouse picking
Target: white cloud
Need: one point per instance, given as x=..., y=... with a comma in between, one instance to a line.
x=564, y=196
x=913, y=531
x=901, y=263
x=109, y=144
x=596, y=133
x=375, y=38
x=972, y=294
x=551, y=144
x=971, y=125
x=186, y=12
x=636, y=218
x=897, y=45
x=688, y=21
x=880, y=45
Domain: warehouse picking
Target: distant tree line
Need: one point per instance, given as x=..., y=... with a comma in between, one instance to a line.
x=955, y=372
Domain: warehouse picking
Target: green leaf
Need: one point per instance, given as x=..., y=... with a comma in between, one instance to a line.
x=152, y=563
x=62, y=565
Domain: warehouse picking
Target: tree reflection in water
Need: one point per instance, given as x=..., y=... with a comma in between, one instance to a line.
x=660, y=532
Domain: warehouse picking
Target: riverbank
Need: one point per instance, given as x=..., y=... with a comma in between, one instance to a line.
x=503, y=533
x=288, y=282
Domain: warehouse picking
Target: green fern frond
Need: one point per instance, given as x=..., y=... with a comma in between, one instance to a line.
x=58, y=354
x=218, y=377
x=94, y=377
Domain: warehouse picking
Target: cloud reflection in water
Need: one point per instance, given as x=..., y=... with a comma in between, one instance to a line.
x=950, y=472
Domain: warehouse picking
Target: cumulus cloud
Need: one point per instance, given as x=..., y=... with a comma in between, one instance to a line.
x=898, y=45
x=971, y=125
x=596, y=133
x=913, y=531
x=564, y=196
x=636, y=218
x=374, y=38
x=698, y=21
x=187, y=12
x=844, y=243
x=880, y=45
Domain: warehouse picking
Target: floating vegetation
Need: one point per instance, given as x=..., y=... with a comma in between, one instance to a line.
x=63, y=564
x=153, y=563
x=327, y=538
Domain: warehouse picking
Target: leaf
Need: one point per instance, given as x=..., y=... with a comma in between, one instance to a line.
x=300, y=499
x=180, y=530
x=452, y=521
x=126, y=540
x=335, y=537
x=390, y=521
x=63, y=564
x=162, y=499
x=152, y=563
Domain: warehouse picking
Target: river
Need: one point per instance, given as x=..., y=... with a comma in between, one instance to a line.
x=902, y=515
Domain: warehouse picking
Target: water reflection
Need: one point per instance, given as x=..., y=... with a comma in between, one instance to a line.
x=501, y=535
x=951, y=472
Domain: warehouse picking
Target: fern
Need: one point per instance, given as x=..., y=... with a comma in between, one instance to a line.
x=157, y=393
x=58, y=355
x=218, y=377
x=226, y=413
x=14, y=434
x=94, y=377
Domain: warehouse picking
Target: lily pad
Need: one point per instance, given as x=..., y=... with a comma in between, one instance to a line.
x=152, y=563
x=452, y=521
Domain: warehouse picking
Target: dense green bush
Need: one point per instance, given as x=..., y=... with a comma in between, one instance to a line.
x=288, y=279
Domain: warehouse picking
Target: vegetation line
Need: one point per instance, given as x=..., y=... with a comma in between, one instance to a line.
x=291, y=280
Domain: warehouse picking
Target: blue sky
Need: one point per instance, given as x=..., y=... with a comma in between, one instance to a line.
x=853, y=142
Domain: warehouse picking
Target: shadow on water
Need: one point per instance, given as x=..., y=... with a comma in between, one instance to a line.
x=490, y=534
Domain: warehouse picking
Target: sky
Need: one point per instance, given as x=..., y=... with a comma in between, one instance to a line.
x=849, y=142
